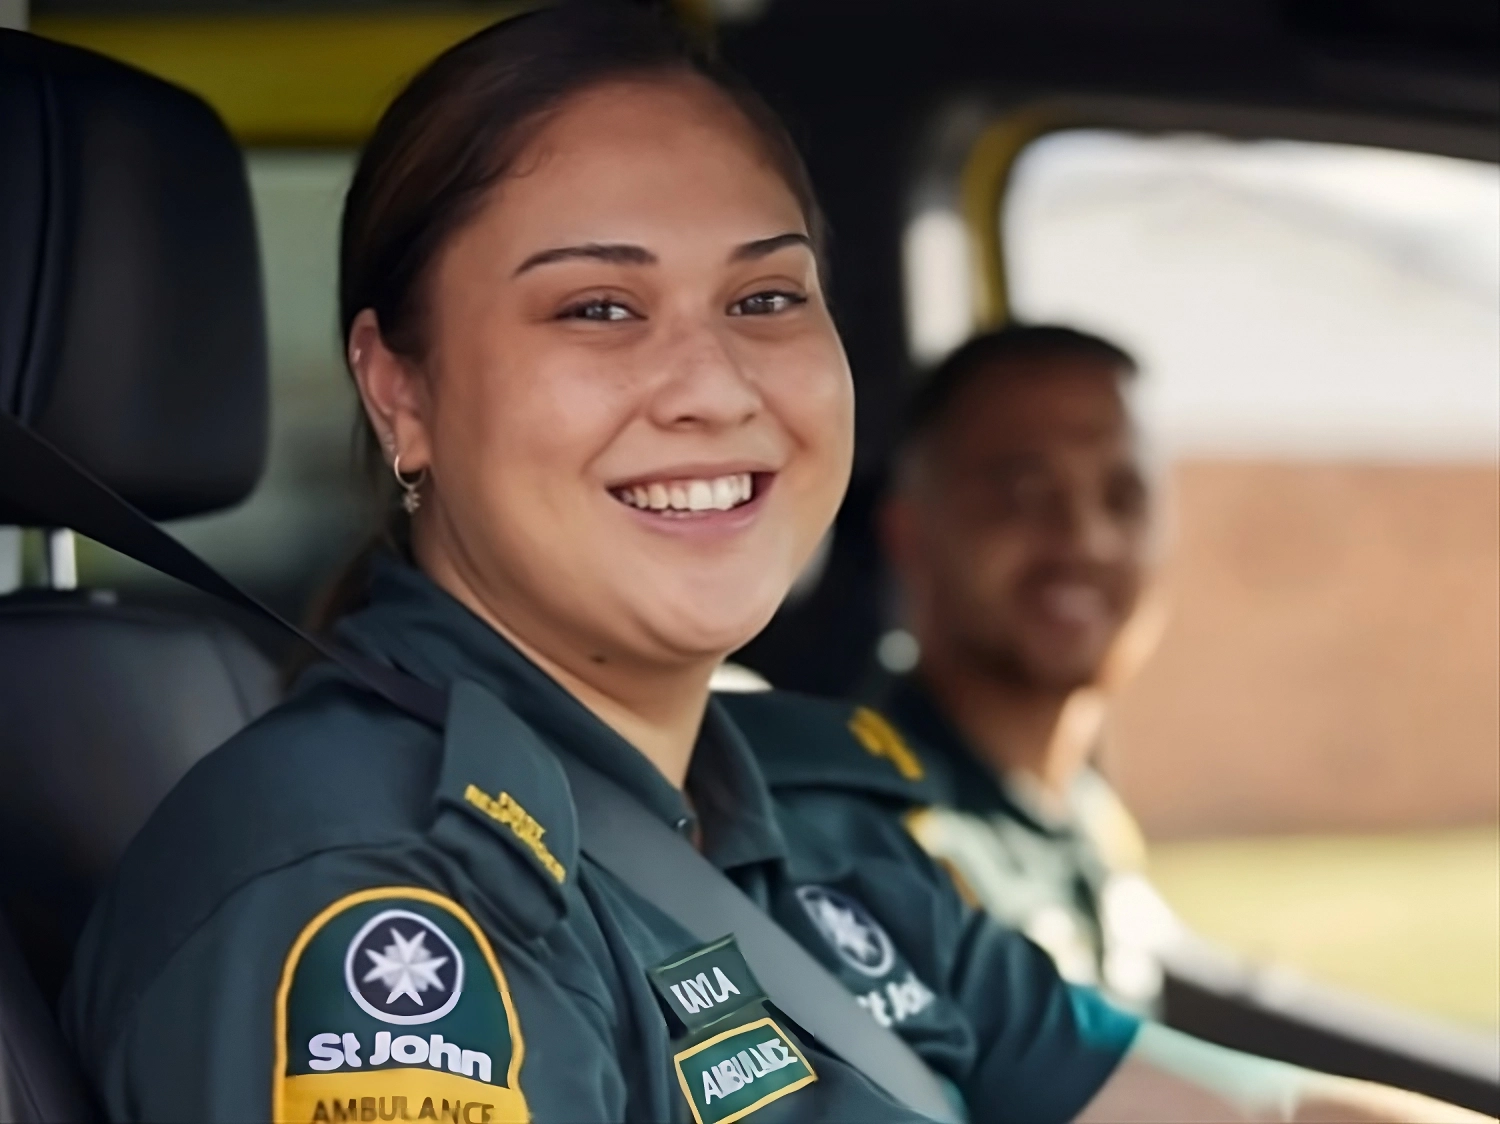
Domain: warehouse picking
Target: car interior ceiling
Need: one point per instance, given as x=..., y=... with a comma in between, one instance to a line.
x=129, y=270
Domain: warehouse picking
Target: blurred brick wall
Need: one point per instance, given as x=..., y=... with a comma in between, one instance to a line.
x=1332, y=661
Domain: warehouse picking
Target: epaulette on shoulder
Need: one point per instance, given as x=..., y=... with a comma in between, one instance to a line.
x=499, y=774
x=806, y=742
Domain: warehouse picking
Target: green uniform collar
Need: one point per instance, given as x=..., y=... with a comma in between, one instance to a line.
x=964, y=782
x=802, y=742
x=424, y=631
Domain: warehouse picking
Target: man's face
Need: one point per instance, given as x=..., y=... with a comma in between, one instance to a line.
x=1023, y=539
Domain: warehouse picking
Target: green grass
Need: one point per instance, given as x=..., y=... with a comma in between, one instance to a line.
x=1412, y=919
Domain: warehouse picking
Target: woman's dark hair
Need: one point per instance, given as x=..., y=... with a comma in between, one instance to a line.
x=455, y=132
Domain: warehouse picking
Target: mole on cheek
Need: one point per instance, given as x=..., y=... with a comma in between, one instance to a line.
x=598, y=657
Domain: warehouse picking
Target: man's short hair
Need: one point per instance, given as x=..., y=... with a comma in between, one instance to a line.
x=1013, y=344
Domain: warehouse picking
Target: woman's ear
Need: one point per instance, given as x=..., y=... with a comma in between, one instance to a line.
x=391, y=392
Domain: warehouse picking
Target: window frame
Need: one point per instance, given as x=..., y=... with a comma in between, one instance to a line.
x=978, y=189
x=1209, y=993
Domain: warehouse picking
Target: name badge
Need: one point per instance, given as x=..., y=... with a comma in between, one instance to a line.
x=734, y=1056
x=729, y=1075
x=706, y=984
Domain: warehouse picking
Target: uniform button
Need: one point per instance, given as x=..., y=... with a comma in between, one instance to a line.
x=684, y=825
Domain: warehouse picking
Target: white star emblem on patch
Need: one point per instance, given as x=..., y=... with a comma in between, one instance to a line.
x=850, y=930
x=403, y=967
x=846, y=932
x=406, y=967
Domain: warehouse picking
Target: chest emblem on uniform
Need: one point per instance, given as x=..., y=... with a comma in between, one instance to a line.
x=849, y=930
x=402, y=968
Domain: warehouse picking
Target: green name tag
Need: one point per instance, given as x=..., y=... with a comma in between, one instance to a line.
x=731, y=1074
x=707, y=984
x=734, y=1057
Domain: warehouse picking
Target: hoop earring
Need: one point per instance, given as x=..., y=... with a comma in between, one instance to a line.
x=411, y=489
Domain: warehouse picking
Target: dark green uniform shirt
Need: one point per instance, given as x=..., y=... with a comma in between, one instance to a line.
x=343, y=914
x=1069, y=874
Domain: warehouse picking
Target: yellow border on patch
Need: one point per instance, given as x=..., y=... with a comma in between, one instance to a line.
x=381, y=893
x=677, y=1060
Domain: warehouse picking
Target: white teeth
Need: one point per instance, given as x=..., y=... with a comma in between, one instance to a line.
x=720, y=493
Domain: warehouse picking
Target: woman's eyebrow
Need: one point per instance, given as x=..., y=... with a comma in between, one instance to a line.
x=616, y=253
x=763, y=246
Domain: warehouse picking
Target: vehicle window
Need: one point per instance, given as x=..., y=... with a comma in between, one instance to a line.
x=1312, y=747
x=306, y=513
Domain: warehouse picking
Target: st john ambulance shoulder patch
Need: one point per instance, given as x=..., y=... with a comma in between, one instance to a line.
x=728, y=1076
x=393, y=1006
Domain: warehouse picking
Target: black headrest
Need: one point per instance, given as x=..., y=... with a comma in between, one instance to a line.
x=132, y=330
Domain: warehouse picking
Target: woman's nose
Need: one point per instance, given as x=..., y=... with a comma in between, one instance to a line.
x=705, y=383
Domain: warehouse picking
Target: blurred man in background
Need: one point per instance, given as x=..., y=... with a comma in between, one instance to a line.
x=1020, y=528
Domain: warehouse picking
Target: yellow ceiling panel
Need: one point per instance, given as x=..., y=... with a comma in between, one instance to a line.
x=305, y=79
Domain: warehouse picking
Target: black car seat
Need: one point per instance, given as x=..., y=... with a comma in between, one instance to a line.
x=132, y=337
x=39, y=1082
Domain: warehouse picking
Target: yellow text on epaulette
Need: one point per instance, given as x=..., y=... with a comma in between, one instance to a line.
x=880, y=739
x=522, y=824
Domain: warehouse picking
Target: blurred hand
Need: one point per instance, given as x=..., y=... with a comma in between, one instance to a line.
x=1171, y=1077
x=1336, y=1100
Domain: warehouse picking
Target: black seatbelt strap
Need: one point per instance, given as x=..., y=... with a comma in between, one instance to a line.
x=31, y=466
x=617, y=832
x=656, y=862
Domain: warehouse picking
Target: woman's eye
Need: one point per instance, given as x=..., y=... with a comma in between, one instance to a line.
x=599, y=310
x=766, y=304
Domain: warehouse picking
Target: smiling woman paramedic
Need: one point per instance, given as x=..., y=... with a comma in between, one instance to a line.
x=581, y=299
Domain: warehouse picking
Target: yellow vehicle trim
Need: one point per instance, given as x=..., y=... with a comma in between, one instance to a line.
x=982, y=186
x=287, y=79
